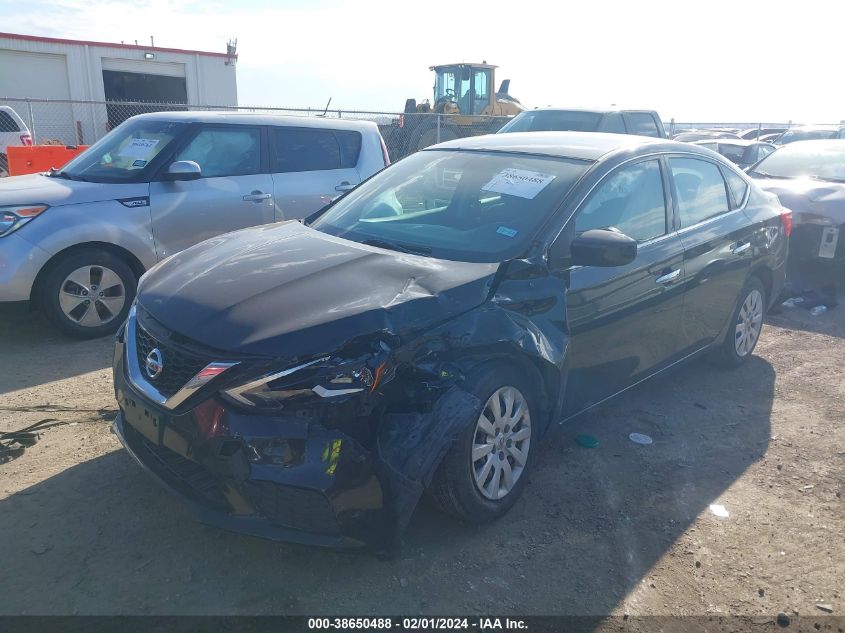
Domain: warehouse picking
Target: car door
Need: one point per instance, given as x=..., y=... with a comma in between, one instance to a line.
x=311, y=167
x=717, y=239
x=623, y=321
x=235, y=190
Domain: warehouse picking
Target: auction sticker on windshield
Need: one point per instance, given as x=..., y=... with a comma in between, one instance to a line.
x=139, y=148
x=519, y=182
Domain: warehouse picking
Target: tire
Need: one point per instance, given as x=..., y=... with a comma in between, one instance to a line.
x=427, y=138
x=734, y=350
x=101, y=278
x=455, y=489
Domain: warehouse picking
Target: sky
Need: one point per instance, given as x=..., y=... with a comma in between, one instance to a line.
x=700, y=61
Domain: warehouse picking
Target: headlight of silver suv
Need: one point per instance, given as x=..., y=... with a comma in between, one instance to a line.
x=319, y=380
x=13, y=218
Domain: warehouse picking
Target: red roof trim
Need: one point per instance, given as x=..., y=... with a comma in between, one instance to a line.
x=139, y=47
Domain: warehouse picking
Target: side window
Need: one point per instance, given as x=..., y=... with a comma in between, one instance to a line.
x=765, y=150
x=7, y=123
x=630, y=200
x=233, y=151
x=612, y=122
x=738, y=187
x=350, y=147
x=642, y=123
x=304, y=149
x=699, y=189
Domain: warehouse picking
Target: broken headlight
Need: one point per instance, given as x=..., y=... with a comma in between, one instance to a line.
x=321, y=380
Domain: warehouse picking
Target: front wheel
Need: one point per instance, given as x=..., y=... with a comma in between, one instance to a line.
x=88, y=294
x=745, y=328
x=485, y=470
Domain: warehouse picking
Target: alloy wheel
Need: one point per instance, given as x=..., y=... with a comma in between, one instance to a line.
x=501, y=443
x=92, y=295
x=749, y=323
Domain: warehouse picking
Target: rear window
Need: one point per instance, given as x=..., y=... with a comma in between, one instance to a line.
x=738, y=187
x=7, y=123
x=642, y=123
x=554, y=120
x=297, y=149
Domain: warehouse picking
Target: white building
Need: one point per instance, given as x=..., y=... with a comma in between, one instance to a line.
x=63, y=71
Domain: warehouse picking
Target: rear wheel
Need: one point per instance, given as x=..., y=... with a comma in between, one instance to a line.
x=746, y=326
x=429, y=137
x=88, y=294
x=485, y=470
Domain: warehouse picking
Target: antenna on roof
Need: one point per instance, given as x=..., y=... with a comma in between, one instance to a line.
x=152, y=42
x=327, y=107
x=231, y=51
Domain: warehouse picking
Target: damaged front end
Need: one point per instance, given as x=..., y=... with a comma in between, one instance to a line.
x=335, y=451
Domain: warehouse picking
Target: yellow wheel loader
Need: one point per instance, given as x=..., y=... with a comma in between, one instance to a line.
x=464, y=105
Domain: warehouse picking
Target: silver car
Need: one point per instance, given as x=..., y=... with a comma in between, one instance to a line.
x=74, y=242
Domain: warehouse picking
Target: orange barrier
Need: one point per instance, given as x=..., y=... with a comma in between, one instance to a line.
x=37, y=158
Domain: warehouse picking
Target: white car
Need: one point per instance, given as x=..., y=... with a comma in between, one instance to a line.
x=74, y=241
x=13, y=131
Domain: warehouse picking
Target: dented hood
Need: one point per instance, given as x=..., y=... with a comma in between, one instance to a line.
x=290, y=291
x=811, y=201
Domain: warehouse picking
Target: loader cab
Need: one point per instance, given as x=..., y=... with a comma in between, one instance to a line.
x=463, y=88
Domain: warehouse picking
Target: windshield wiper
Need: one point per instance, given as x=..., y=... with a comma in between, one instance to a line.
x=58, y=173
x=829, y=179
x=393, y=246
x=764, y=174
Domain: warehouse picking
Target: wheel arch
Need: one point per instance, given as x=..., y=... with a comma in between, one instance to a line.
x=118, y=251
x=766, y=276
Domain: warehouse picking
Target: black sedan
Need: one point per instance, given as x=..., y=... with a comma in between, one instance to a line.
x=309, y=382
x=740, y=153
x=809, y=178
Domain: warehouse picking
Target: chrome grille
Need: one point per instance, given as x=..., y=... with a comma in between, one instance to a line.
x=178, y=366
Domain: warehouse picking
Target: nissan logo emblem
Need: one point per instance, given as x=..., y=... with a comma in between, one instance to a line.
x=154, y=364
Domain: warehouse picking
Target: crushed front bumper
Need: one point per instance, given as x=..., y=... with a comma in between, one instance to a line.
x=289, y=479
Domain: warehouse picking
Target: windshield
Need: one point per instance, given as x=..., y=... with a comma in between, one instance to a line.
x=790, y=136
x=125, y=154
x=825, y=160
x=458, y=205
x=733, y=153
x=554, y=120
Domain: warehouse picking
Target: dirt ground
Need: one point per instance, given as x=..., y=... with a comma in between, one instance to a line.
x=620, y=528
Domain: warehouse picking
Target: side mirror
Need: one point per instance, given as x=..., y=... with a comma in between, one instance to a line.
x=183, y=170
x=596, y=247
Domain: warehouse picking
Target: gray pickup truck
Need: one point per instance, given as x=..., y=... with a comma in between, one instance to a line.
x=640, y=122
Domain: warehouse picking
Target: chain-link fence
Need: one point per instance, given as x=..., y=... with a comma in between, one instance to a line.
x=85, y=122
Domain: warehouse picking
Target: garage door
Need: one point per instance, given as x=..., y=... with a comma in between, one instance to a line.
x=39, y=76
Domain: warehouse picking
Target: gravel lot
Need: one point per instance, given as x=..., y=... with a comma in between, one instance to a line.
x=620, y=528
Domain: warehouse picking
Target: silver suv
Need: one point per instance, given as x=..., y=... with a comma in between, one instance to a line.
x=74, y=241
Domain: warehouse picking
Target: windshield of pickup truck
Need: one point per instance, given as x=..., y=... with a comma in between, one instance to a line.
x=459, y=205
x=125, y=154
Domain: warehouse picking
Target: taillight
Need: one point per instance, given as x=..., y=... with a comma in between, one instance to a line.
x=384, y=153
x=26, y=139
x=786, y=221
x=401, y=120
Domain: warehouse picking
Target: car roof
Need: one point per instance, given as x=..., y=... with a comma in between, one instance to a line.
x=257, y=119
x=580, y=145
x=819, y=144
x=601, y=110
x=731, y=141
x=810, y=128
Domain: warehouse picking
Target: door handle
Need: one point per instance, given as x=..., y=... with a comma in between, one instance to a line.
x=668, y=277
x=257, y=196
x=344, y=186
x=740, y=249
